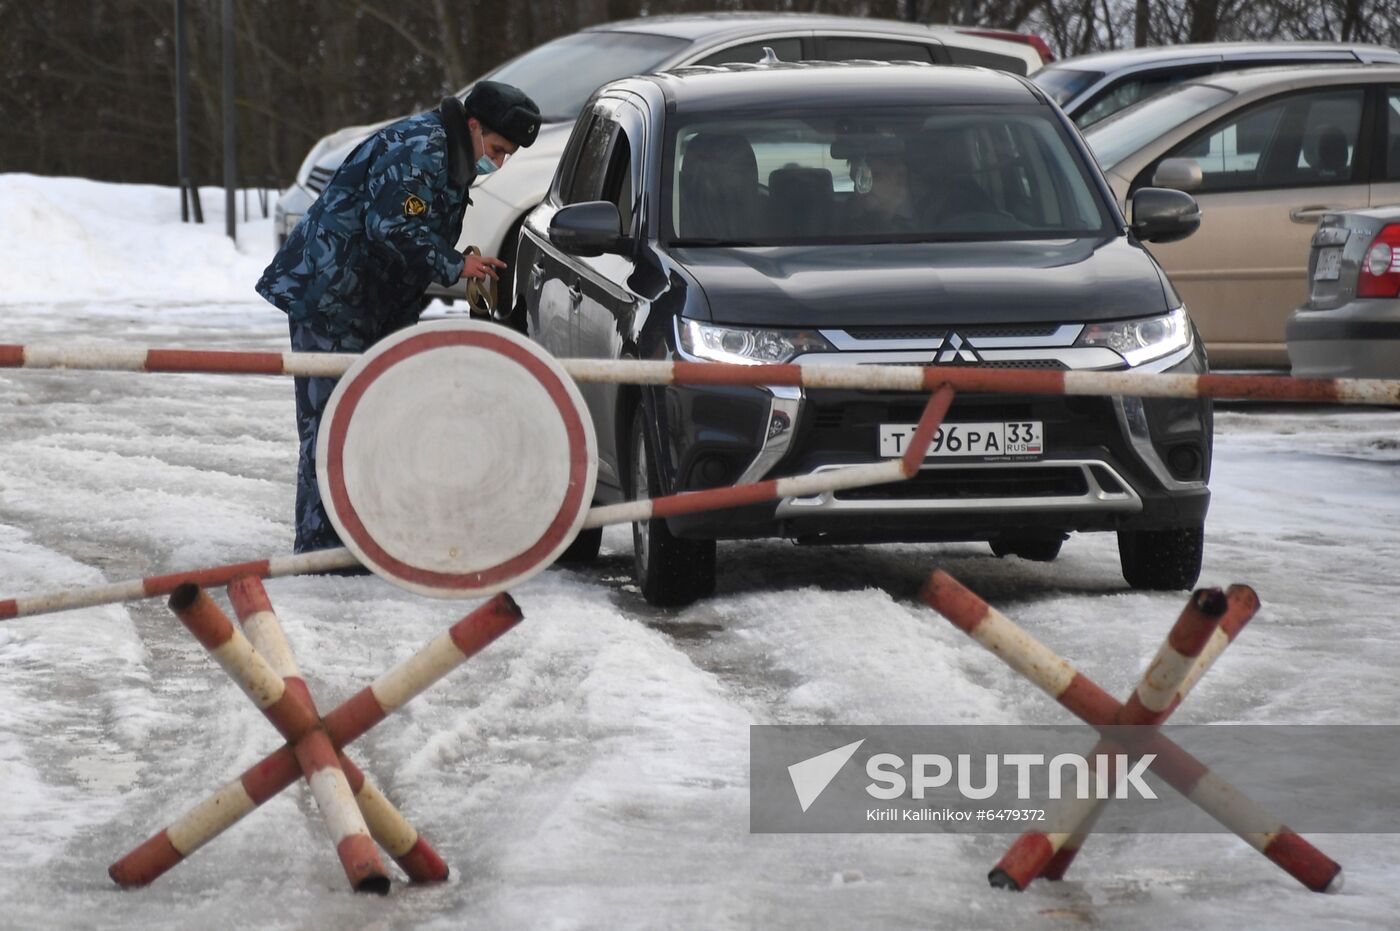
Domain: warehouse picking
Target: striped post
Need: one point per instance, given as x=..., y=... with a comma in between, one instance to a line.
x=1241, y=605
x=157, y=585
x=1151, y=702
x=1081, y=696
x=188, y=361
x=390, y=829
x=296, y=720
x=637, y=372
x=800, y=486
x=346, y=724
x=684, y=503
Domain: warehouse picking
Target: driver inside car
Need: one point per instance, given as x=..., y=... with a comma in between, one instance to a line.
x=882, y=201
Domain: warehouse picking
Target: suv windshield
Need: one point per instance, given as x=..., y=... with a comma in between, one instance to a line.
x=928, y=174
x=1064, y=84
x=1129, y=130
x=560, y=75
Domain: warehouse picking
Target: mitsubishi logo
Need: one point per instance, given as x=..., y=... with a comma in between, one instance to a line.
x=956, y=351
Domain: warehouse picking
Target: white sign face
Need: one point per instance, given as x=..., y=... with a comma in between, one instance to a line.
x=456, y=459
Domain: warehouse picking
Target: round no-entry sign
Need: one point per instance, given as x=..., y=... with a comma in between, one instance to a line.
x=456, y=459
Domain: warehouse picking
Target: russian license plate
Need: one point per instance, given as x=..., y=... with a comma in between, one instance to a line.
x=1329, y=264
x=1012, y=438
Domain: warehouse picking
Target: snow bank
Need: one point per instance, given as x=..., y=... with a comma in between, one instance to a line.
x=67, y=239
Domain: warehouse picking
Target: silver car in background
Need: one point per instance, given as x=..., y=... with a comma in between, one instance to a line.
x=1350, y=325
x=1091, y=88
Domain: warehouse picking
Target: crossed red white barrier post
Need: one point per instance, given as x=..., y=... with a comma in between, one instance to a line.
x=389, y=828
x=1183, y=772
x=1183, y=659
x=341, y=727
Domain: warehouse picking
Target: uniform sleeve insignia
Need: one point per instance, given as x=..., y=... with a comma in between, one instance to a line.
x=414, y=206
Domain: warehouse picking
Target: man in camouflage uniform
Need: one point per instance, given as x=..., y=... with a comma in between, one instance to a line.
x=357, y=266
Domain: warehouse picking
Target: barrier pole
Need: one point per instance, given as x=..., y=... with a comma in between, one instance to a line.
x=637, y=372
x=799, y=486
x=157, y=585
x=684, y=503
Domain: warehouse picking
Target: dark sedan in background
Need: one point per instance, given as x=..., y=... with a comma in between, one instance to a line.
x=860, y=213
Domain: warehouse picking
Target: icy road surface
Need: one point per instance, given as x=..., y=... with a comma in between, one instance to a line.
x=589, y=770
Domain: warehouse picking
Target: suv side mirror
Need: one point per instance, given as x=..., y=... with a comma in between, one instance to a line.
x=1160, y=215
x=591, y=228
x=1179, y=174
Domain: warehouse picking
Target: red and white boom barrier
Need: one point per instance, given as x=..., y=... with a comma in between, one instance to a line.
x=186, y=361
x=668, y=506
x=637, y=372
x=1178, y=768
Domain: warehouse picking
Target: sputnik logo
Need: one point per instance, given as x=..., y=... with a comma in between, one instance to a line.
x=811, y=776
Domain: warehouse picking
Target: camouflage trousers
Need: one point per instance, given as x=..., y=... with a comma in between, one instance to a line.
x=314, y=529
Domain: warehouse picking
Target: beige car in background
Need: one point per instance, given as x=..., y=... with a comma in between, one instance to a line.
x=1266, y=153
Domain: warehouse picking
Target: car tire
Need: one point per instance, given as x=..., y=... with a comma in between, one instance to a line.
x=1034, y=548
x=670, y=571
x=584, y=549
x=1162, y=560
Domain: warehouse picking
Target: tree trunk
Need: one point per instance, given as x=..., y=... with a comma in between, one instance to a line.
x=1205, y=20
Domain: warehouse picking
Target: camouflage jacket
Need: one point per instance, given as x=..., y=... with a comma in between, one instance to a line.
x=386, y=225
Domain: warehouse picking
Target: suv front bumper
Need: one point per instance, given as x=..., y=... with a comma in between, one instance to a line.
x=1110, y=464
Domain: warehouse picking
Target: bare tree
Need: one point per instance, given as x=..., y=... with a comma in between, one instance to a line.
x=89, y=88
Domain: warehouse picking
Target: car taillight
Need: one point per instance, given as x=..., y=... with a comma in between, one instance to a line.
x=1380, y=269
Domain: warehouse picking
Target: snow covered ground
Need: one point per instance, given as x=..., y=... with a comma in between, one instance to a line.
x=590, y=769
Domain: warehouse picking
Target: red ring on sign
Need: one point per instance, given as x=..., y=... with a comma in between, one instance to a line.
x=502, y=572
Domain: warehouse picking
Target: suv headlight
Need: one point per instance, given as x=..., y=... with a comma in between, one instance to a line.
x=1142, y=340
x=747, y=345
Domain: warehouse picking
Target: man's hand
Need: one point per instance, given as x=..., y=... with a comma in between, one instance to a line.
x=482, y=266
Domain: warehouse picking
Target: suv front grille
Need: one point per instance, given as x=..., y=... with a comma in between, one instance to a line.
x=1053, y=364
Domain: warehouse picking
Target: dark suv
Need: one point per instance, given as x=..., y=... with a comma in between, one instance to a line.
x=857, y=213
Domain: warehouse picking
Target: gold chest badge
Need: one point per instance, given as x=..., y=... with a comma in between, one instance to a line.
x=414, y=206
